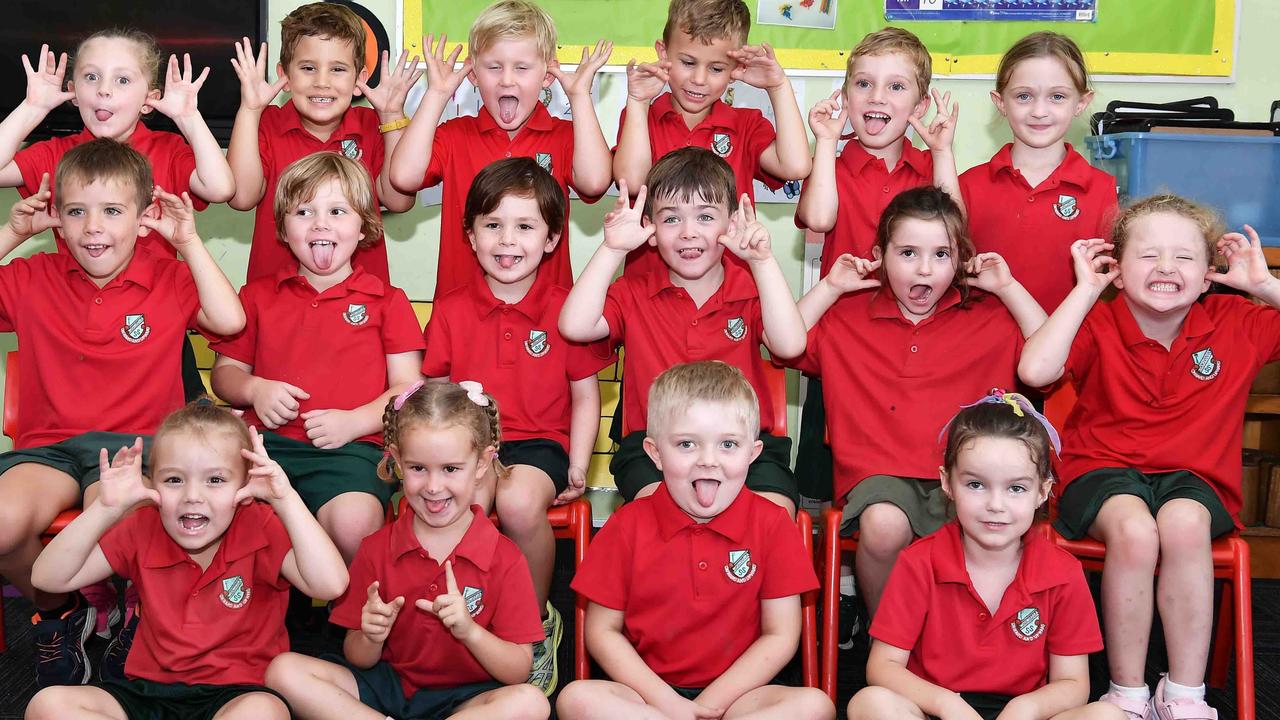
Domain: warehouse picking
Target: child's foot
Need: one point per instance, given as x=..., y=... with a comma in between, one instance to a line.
x=113, y=658
x=105, y=601
x=60, y=655
x=850, y=621
x=1133, y=708
x=1182, y=708
x=545, y=673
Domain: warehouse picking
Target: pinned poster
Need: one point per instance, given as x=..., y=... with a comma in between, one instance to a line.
x=997, y=10
x=820, y=14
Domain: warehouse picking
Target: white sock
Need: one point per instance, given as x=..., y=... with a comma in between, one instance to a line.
x=1173, y=691
x=846, y=584
x=1142, y=692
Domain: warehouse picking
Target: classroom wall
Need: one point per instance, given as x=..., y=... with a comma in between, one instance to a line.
x=411, y=237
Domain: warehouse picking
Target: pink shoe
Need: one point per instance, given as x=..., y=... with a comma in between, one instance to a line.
x=1179, y=709
x=1133, y=709
x=102, y=596
x=131, y=602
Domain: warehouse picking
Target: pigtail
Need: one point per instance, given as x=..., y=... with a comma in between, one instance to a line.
x=495, y=432
x=387, y=471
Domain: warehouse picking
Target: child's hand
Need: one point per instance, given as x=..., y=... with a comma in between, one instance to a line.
x=757, y=67
x=1094, y=268
x=255, y=92
x=646, y=80
x=677, y=707
x=942, y=131
x=577, y=485
x=180, y=91
x=276, y=403
x=827, y=118
x=624, y=228
x=1246, y=263
x=177, y=221
x=450, y=607
x=31, y=216
x=988, y=271
x=267, y=480
x=377, y=617
x=329, y=429
x=120, y=482
x=747, y=237
x=1017, y=710
x=442, y=78
x=851, y=274
x=579, y=82
x=46, y=89
x=393, y=85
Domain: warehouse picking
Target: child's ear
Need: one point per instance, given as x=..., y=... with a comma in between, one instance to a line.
x=363, y=77
x=152, y=211
x=152, y=95
x=876, y=252
x=281, y=73
x=552, y=242
x=998, y=100
x=756, y=448
x=471, y=238
x=71, y=88
x=921, y=107
x=946, y=484
x=1046, y=486
x=661, y=47
x=1085, y=99
x=486, y=461
x=651, y=449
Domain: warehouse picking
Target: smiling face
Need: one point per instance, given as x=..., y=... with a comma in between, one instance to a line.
x=1163, y=264
x=880, y=96
x=687, y=235
x=511, y=240
x=323, y=234
x=1040, y=101
x=197, y=476
x=703, y=451
x=100, y=225
x=440, y=469
x=919, y=264
x=510, y=75
x=111, y=87
x=996, y=490
x=322, y=80
x=699, y=73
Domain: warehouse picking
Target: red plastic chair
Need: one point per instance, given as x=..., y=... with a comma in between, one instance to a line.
x=829, y=564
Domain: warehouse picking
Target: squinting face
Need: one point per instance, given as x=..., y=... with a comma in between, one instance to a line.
x=441, y=468
x=699, y=72
x=100, y=225
x=110, y=87
x=881, y=97
x=687, y=234
x=920, y=265
x=510, y=75
x=197, y=476
x=511, y=240
x=1040, y=101
x=996, y=490
x=704, y=452
x=323, y=232
x=322, y=80
x=1164, y=264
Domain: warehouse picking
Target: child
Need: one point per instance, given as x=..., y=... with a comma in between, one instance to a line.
x=703, y=48
x=501, y=330
x=1027, y=656
x=213, y=568
x=324, y=346
x=104, y=317
x=115, y=81
x=1041, y=86
x=656, y=594
x=463, y=645
x=1152, y=464
x=512, y=59
x=893, y=357
x=697, y=306
x=322, y=67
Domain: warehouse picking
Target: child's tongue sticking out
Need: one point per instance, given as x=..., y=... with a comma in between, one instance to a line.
x=919, y=292
x=705, y=491
x=507, y=107
x=322, y=253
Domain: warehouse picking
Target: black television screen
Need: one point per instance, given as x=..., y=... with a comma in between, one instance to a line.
x=207, y=30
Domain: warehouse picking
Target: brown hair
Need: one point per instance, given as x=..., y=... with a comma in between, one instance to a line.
x=148, y=51
x=513, y=20
x=691, y=172
x=299, y=181
x=440, y=405
x=708, y=20
x=706, y=381
x=202, y=418
x=1045, y=44
x=999, y=419
x=930, y=204
x=328, y=21
x=519, y=176
x=889, y=41
x=1206, y=220
x=104, y=159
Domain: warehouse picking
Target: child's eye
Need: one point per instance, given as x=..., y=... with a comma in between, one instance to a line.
x=942, y=253
x=729, y=444
x=1058, y=97
x=716, y=69
x=1185, y=257
x=974, y=485
x=113, y=211
x=1017, y=489
x=75, y=212
x=1022, y=97
x=338, y=211
x=452, y=468
x=898, y=86
x=123, y=80
x=216, y=480
x=416, y=468
x=491, y=225
x=670, y=219
x=302, y=212
x=91, y=77
x=685, y=444
x=172, y=480
x=687, y=63
x=705, y=218
x=526, y=226
x=864, y=84
x=307, y=68
x=908, y=253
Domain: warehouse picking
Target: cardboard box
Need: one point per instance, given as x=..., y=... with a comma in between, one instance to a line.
x=1272, y=514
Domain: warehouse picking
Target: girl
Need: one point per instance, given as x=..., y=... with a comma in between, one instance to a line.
x=464, y=646
x=894, y=351
x=1034, y=616
x=1038, y=195
x=212, y=565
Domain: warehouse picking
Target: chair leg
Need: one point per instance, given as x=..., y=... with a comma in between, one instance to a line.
x=1242, y=595
x=830, y=601
x=581, y=519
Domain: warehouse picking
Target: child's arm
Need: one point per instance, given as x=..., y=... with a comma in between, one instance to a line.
x=584, y=424
x=46, y=90
x=887, y=668
x=363, y=647
x=242, y=153
x=313, y=565
x=1044, y=357
x=784, y=331
x=27, y=218
x=329, y=428
x=220, y=310
x=507, y=662
x=582, y=317
x=1247, y=267
x=988, y=271
x=388, y=100
x=412, y=154
x=592, y=160
x=940, y=136
x=274, y=402
x=819, y=203
x=634, y=156
x=848, y=274
x=761, y=661
x=74, y=559
x=212, y=179
x=1068, y=688
x=787, y=157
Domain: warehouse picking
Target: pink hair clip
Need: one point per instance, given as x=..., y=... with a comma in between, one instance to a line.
x=400, y=400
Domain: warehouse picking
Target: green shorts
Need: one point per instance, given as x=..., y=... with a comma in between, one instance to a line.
x=322, y=475
x=76, y=456
x=381, y=690
x=149, y=700
x=1080, y=502
x=922, y=501
x=988, y=705
x=633, y=469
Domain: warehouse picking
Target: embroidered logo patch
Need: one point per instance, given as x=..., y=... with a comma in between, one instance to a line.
x=740, y=569
x=474, y=598
x=537, y=344
x=356, y=314
x=135, y=328
x=1204, y=366
x=1066, y=207
x=721, y=144
x=1027, y=626
x=735, y=329
x=234, y=593
x=351, y=149
x=543, y=160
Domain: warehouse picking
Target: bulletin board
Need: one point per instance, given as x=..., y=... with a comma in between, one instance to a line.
x=1193, y=38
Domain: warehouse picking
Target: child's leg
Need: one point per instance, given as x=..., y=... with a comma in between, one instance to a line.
x=350, y=518
x=782, y=703
x=522, y=502
x=252, y=706
x=1125, y=525
x=780, y=500
x=317, y=689
x=883, y=532
x=517, y=702
x=31, y=496
x=877, y=703
x=1092, y=711
x=603, y=700
x=69, y=701
x=1185, y=588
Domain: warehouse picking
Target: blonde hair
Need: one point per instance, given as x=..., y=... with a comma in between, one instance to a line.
x=148, y=51
x=1206, y=220
x=202, y=418
x=889, y=41
x=299, y=181
x=440, y=405
x=104, y=159
x=1045, y=44
x=706, y=381
x=707, y=20
x=329, y=21
x=513, y=20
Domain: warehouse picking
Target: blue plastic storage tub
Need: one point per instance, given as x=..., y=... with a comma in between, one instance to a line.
x=1240, y=176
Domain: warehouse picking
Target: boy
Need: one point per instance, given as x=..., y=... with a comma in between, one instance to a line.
x=696, y=306
x=97, y=328
x=501, y=332
x=322, y=67
x=325, y=344
x=703, y=48
x=696, y=555
x=512, y=59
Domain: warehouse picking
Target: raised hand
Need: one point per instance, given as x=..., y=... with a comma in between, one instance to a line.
x=180, y=91
x=579, y=81
x=1246, y=263
x=394, y=83
x=942, y=131
x=624, y=228
x=46, y=82
x=31, y=216
x=267, y=480
x=276, y=402
x=577, y=485
x=747, y=237
x=757, y=66
x=328, y=429
x=851, y=274
x=827, y=118
x=120, y=482
x=255, y=92
x=450, y=607
x=442, y=78
x=646, y=80
x=1094, y=268
x=988, y=271
x=177, y=221
x=377, y=617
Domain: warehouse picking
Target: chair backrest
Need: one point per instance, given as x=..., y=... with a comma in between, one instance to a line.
x=776, y=380
x=11, y=395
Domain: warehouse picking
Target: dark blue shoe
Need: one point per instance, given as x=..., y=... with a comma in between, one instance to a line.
x=118, y=651
x=60, y=655
x=851, y=622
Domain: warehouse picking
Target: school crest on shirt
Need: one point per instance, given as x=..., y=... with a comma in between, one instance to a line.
x=740, y=568
x=135, y=328
x=351, y=149
x=543, y=160
x=234, y=593
x=356, y=314
x=1027, y=626
x=474, y=598
x=721, y=145
x=537, y=344
x=1066, y=207
x=1204, y=366
x=735, y=329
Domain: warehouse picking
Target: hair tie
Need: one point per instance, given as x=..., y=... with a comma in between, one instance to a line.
x=1021, y=407
x=204, y=401
x=400, y=400
x=475, y=392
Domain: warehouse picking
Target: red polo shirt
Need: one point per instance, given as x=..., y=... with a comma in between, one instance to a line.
x=891, y=386
x=739, y=135
x=462, y=148
x=931, y=608
x=172, y=163
x=660, y=327
x=222, y=625
x=1155, y=410
x=492, y=575
x=334, y=344
x=281, y=140
x=515, y=351
x=864, y=187
x=1033, y=228
x=96, y=358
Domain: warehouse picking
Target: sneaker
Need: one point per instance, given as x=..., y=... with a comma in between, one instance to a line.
x=105, y=601
x=1179, y=709
x=118, y=651
x=545, y=673
x=60, y=655
x=850, y=621
x=1132, y=708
